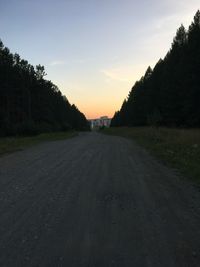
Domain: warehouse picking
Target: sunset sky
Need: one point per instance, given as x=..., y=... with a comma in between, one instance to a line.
x=93, y=50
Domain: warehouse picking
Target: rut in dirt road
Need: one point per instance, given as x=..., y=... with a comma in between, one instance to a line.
x=96, y=201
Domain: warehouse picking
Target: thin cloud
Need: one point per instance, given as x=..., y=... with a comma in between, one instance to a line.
x=57, y=63
x=125, y=74
x=61, y=62
x=115, y=74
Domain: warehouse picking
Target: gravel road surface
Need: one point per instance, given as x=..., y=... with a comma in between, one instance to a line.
x=95, y=201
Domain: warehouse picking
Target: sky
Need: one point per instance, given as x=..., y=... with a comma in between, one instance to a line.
x=93, y=50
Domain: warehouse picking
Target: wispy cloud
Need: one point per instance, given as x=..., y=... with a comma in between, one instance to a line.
x=57, y=62
x=115, y=74
x=124, y=74
x=62, y=62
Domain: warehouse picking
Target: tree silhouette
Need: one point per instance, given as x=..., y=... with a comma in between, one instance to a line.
x=170, y=93
x=30, y=104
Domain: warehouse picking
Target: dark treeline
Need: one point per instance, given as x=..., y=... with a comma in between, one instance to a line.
x=29, y=104
x=168, y=95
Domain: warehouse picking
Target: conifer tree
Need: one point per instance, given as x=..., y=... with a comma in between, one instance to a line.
x=170, y=93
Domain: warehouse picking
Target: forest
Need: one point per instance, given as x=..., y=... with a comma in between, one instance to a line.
x=30, y=104
x=169, y=94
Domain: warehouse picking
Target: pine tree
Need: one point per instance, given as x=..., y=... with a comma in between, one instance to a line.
x=170, y=93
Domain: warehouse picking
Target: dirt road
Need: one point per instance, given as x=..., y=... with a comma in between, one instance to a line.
x=95, y=201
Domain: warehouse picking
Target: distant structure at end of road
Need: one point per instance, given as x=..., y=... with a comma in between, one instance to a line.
x=101, y=122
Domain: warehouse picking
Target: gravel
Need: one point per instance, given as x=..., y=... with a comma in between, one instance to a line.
x=95, y=200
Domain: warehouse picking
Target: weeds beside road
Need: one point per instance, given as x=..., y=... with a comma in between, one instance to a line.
x=10, y=144
x=178, y=147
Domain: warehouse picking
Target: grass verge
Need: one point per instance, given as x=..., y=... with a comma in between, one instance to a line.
x=10, y=144
x=179, y=148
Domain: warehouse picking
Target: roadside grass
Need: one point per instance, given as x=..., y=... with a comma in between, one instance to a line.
x=11, y=144
x=179, y=148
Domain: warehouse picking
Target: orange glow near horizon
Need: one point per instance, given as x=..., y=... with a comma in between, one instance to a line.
x=103, y=97
x=91, y=115
x=96, y=111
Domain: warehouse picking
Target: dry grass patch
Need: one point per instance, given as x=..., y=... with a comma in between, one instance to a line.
x=178, y=147
x=10, y=144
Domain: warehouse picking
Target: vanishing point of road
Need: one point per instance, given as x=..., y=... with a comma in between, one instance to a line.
x=95, y=201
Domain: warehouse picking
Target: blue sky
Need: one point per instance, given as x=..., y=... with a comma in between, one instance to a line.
x=94, y=50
